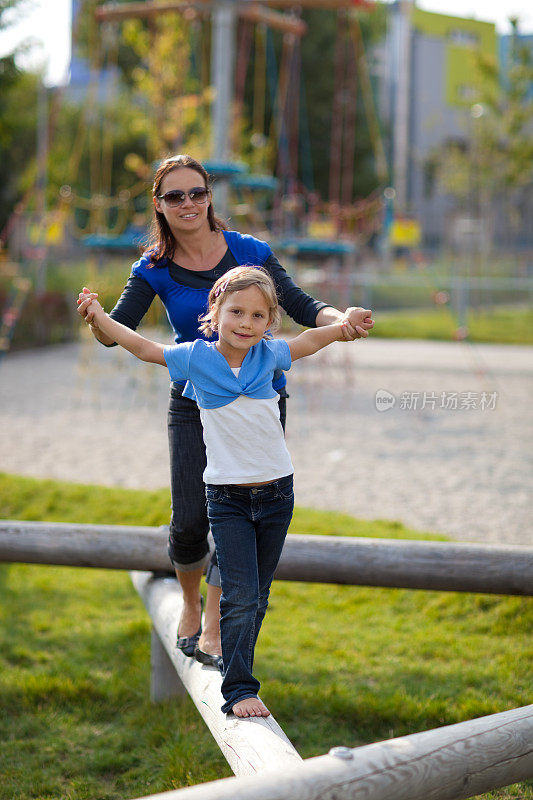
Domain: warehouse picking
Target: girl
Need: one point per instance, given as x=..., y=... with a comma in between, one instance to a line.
x=248, y=476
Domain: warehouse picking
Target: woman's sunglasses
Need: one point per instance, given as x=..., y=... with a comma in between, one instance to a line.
x=176, y=197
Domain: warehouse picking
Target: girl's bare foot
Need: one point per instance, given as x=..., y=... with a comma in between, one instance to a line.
x=250, y=707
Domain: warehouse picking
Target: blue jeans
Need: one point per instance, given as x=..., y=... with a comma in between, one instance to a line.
x=249, y=526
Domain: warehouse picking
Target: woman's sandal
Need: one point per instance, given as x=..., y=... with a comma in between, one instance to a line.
x=209, y=659
x=188, y=644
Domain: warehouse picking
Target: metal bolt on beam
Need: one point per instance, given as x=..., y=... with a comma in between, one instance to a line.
x=341, y=752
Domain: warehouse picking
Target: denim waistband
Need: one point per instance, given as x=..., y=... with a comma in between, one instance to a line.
x=265, y=490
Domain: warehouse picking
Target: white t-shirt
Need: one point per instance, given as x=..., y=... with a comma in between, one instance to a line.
x=244, y=441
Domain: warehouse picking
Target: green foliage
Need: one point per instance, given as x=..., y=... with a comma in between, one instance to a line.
x=49, y=317
x=497, y=155
x=315, y=101
x=496, y=325
x=318, y=70
x=163, y=78
x=339, y=665
x=108, y=149
x=4, y=6
x=18, y=129
x=18, y=119
x=89, y=149
x=87, y=139
x=87, y=38
x=161, y=62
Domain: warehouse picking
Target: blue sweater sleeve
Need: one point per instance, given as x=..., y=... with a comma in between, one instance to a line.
x=282, y=353
x=178, y=357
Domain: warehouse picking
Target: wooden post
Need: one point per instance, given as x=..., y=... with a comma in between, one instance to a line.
x=449, y=763
x=402, y=28
x=249, y=745
x=441, y=566
x=164, y=680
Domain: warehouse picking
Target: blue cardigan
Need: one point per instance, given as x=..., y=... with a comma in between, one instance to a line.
x=212, y=382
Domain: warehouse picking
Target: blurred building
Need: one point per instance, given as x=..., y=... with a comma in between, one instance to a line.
x=429, y=88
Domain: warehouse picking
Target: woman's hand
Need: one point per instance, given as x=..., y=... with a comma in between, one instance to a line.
x=84, y=301
x=358, y=322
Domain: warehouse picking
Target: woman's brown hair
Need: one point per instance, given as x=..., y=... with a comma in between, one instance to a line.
x=161, y=240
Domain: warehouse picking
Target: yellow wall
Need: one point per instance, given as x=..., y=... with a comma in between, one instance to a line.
x=465, y=39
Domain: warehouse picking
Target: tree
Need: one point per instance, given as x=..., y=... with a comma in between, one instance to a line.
x=7, y=5
x=18, y=120
x=172, y=96
x=493, y=163
x=318, y=74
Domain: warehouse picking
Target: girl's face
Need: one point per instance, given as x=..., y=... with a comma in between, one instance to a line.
x=189, y=215
x=242, y=320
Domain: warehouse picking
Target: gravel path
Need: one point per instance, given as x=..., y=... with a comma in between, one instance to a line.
x=84, y=413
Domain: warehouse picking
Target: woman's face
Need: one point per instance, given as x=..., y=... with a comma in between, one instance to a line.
x=190, y=215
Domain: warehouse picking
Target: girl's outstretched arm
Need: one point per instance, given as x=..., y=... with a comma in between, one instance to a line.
x=314, y=339
x=145, y=349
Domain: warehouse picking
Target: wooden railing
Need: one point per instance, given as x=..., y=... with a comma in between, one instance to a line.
x=446, y=566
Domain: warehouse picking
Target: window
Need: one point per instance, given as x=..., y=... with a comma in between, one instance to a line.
x=467, y=93
x=463, y=38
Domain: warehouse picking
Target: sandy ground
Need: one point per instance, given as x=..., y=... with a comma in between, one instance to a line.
x=84, y=413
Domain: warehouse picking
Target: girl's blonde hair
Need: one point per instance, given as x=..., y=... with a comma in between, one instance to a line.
x=233, y=281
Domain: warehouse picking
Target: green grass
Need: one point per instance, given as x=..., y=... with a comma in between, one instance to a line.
x=56, y=501
x=339, y=665
x=506, y=326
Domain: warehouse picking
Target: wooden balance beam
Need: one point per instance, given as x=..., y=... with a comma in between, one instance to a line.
x=249, y=745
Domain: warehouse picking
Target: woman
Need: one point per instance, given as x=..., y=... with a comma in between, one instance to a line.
x=190, y=248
